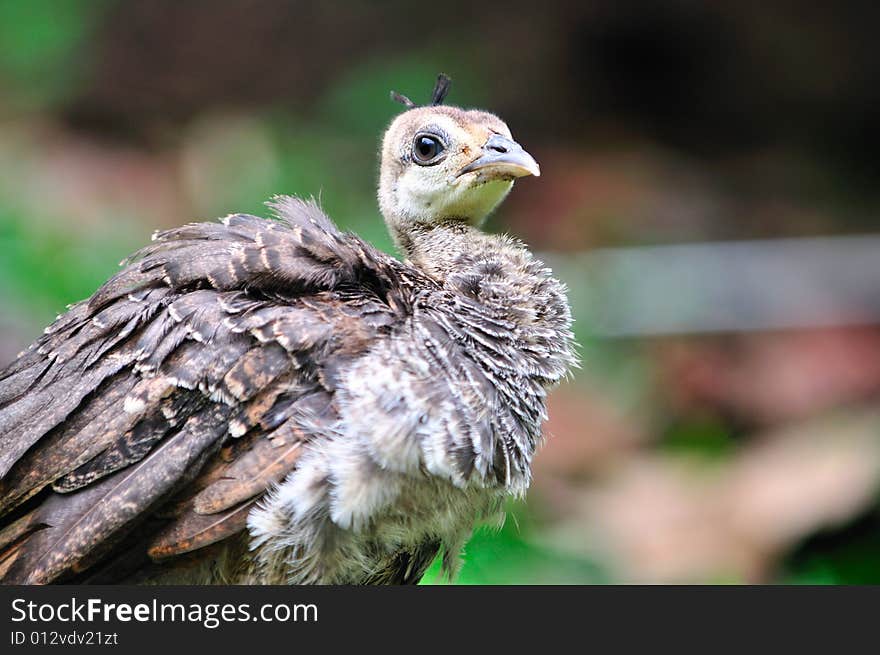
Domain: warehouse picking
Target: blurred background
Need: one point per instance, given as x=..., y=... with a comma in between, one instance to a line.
x=709, y=193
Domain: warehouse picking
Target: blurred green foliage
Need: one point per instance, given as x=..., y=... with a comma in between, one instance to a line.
x=702, y=436
x=41, y=57
x=511, y=555
x=43, y=269
x=849, y=556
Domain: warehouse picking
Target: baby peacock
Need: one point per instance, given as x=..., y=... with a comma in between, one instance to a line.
x=275, y=401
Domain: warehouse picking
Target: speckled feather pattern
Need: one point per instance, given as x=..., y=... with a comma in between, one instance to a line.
x=283, y=398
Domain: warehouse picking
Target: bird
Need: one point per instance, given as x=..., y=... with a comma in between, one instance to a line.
x=276, y=401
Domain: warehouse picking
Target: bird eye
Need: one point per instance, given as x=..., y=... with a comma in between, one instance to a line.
x=427, y=149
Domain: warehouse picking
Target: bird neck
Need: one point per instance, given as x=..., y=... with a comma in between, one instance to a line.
x=443, y=247
x=514, y=322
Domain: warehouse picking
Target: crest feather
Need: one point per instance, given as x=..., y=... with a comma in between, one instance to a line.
x=438, y=95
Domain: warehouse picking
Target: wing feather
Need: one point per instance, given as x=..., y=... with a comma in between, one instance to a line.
x=193, y=531
x=271, y=458
x=182, y=389
x=81, y=523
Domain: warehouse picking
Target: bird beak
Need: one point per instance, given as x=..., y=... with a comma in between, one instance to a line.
x=502, y=158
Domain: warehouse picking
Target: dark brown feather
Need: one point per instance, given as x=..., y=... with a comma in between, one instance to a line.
x=193, y=531
x=82, y=522
x=268, y=461
x=123, y=404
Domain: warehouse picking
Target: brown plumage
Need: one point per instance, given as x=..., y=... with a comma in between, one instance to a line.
x=273, y=401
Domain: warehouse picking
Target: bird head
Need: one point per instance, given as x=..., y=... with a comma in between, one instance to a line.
x=443, y=164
